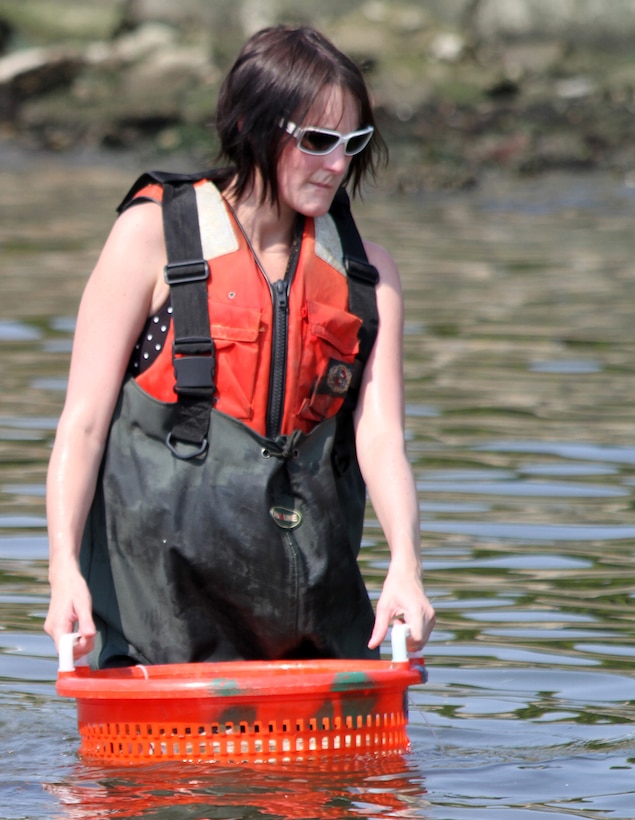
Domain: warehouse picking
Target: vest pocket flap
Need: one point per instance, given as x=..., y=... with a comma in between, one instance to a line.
x=337, y=327
x=234, y=324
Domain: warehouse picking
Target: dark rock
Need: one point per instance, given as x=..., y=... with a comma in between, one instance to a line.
x=32, y=73
x=7, y=30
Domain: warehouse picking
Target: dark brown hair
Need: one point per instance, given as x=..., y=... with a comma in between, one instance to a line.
x=277, y=76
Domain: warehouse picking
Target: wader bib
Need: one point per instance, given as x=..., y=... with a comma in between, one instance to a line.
x=209, y=541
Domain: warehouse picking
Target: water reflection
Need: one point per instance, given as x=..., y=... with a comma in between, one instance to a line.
x=392, y=787
x=520, y=392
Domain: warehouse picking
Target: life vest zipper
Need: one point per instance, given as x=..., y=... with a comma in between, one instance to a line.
x=278, y=366
x=280, y=291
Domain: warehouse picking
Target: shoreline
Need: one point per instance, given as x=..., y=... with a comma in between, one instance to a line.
x=452, y=105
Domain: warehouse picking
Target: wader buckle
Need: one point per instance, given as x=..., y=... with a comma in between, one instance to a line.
x=189, y=270
x=361, y=271
x=194, y=373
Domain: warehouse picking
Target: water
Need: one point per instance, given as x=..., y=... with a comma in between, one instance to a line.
x=520, y=390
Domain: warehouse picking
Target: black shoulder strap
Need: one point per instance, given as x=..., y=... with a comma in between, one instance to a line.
x=362, y=280
x=193, y=354
x=159, y=178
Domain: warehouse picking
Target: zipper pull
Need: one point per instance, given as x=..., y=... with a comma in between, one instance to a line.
x=280, y=288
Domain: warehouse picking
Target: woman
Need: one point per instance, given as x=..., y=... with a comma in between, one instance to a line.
x=179, y=532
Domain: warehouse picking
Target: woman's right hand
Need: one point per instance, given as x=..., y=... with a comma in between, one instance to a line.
x=70, y=610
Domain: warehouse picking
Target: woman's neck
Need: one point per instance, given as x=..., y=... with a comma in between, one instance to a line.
x=269, y=230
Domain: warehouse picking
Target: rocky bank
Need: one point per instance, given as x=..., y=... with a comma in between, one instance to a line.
x=461, y=87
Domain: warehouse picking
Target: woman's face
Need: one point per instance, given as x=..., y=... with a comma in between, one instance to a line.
x=308, y=183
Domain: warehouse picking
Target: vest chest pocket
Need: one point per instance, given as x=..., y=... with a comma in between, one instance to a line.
x=329, y=346
x=236, y=334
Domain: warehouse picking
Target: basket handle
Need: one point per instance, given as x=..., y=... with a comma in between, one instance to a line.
x=66, y=646
x=399, y=634
x=400, y=654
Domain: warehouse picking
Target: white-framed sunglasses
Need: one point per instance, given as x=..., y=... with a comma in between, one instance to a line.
x=321, y=141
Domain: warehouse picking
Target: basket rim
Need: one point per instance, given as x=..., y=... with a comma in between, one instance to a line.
x=238, y=679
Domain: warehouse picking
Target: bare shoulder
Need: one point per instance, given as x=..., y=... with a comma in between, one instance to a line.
x=384, y=262
x=134, y=255
x=144, y=222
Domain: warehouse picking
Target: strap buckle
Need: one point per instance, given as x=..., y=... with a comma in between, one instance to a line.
x=362, y=271
x=194, y=373
x=188, y=270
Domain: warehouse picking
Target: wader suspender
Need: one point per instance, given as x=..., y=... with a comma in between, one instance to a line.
x=362, y=279
x=193, y=354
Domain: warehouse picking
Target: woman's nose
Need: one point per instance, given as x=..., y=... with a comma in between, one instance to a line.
x=337, y=161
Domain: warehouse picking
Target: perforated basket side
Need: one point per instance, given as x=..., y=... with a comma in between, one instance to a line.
x=292, y=740
x=196, y=730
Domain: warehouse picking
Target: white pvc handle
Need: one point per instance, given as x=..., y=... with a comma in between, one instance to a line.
x=66, y=659
x=398, y=637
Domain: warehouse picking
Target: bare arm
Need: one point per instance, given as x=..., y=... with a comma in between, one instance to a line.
x=124, y=288
x=384, y=463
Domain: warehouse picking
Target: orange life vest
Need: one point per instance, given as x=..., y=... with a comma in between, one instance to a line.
x=312, y=370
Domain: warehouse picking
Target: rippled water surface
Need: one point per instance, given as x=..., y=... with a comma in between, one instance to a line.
x=520, y=390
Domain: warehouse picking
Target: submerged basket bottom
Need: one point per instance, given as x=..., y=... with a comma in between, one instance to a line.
x=243, y=742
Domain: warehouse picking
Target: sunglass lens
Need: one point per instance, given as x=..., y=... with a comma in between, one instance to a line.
x=317, y=142
x=357, y=144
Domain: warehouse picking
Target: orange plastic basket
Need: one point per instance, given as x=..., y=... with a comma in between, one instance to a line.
x=242, y=711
